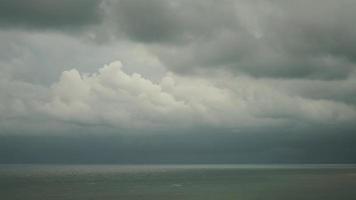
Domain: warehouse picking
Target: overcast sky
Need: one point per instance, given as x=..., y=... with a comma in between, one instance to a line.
x=203, y=81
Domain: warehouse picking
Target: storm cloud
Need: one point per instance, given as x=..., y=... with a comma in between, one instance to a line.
x=282, y=39
x=187, y=76
x=34, y=14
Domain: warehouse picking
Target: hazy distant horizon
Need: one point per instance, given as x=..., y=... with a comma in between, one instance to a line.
x=174, y=148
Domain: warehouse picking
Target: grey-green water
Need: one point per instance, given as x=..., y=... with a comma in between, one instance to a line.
x=245, y=182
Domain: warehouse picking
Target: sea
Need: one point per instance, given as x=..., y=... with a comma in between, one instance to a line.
x=183, y=182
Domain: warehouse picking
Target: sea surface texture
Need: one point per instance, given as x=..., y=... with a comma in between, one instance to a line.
x=170, y=182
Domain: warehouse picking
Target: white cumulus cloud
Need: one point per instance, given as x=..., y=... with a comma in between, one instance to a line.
x=114, y=97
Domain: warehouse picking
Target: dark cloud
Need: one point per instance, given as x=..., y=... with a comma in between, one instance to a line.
x=313, y=40
x=35, y=14
x=246, y=82
x=147, y=21
x=159, y=21
x=278, y=39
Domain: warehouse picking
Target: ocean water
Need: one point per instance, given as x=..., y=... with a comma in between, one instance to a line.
x=170, y=182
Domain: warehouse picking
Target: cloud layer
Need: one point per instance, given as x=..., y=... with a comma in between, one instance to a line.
x=43, y=14
x=284, y=71
x=278, y=39
x=113, y=97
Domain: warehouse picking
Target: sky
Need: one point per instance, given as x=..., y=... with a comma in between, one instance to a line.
x=177, y=81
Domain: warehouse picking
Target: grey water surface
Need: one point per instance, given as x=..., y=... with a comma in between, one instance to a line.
x=140, y=182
